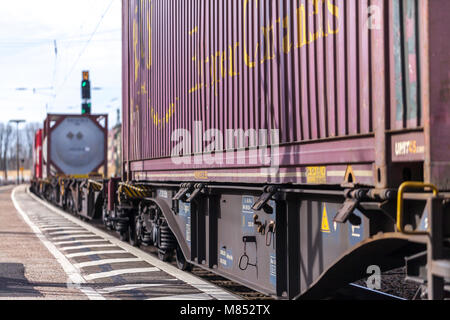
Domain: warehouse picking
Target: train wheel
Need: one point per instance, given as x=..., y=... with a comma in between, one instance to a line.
x=133, y=228
x=182, y=264
x=105, y=219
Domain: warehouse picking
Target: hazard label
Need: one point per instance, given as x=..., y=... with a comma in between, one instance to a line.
x=326, y=227
x=325, y=223
x=350, y=175
x=316, y=175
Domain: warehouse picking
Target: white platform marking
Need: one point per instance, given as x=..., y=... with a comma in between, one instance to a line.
x=75, y=237
x=199, y=296
x=106, y=261
x=50, y=229
x=173, y=271
x=113, y=273
x=52, y=222
x=89, y=246
x=74, y=276
x=81, y=241
x=43, y=227
x=93, y=253
x=53, y=225
x=68, y=232
x=131, y=287
x=59, y=226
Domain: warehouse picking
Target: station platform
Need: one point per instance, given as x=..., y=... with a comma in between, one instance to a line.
x=47, y=254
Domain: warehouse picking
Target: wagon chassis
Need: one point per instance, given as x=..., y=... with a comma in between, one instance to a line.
x=378, y=206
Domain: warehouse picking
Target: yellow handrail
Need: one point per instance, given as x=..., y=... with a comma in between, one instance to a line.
x=401, y=191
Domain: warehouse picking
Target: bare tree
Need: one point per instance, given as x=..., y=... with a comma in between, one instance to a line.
x=30, y=133
x=2, y=134
x=6, y=145
x=8, y=150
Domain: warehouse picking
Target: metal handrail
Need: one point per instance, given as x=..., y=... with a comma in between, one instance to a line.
x=400, y=208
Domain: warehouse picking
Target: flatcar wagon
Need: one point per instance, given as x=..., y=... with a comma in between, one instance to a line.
x=291, y=146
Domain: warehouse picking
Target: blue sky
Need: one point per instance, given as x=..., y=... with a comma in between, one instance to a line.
x=28, y=30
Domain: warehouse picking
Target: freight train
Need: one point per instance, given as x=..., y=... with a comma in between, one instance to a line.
x=290, y=146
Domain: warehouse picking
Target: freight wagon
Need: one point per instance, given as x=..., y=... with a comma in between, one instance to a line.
x=275, y=139
x=290, y=146
x=70, y=162
x=37, y=156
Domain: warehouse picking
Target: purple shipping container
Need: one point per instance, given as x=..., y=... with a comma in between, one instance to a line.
x=303, y=92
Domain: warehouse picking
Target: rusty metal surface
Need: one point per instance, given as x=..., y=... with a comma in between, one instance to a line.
x=406, y=109
x=436, y=93
x=317, y=71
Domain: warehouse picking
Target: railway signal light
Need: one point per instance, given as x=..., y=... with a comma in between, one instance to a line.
x=86, y=106
x=86, y=89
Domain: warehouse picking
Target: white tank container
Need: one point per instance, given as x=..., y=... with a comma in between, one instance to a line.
x=77, y=146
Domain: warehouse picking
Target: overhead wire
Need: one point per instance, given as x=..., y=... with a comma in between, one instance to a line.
x=43, y=42
x=58, y=41
x=55, y=70
x=84, y=48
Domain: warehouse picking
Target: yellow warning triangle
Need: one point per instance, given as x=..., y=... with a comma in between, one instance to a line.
x=350, y=175
x=325, y=224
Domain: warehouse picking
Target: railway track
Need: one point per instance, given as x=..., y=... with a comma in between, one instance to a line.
x=357, y=292
x=394, y=285
x=103, y=267
x=233, y=287
x=351, y=292
x=395, y=288
x=228, y=285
